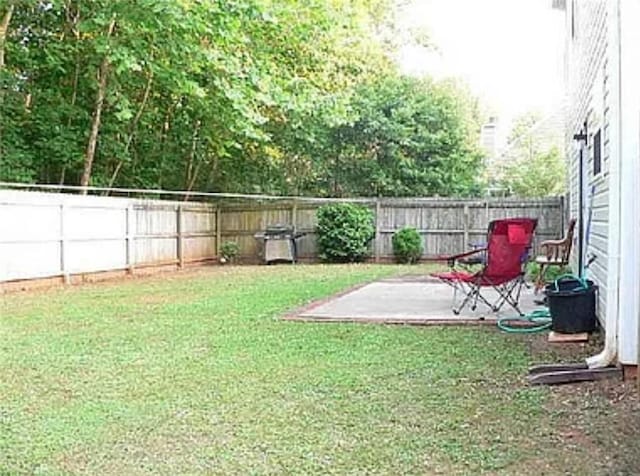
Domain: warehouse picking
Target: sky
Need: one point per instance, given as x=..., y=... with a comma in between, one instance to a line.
x=510, y=52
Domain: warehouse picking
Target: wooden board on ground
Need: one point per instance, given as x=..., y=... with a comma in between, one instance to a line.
x=547, y=368
x=574, y=376
x=560, y=338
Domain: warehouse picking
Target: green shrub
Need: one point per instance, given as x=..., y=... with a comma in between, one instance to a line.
x=228, y=251
x=552, y=273
x=344, y=232
x=407, y=245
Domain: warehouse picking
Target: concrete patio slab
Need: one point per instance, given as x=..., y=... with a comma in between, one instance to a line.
x=405, y=301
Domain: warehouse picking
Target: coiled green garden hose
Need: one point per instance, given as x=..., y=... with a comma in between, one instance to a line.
x=541, y=320
x=536, y=321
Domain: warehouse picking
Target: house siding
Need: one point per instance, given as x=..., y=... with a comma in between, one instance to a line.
x=587, y=77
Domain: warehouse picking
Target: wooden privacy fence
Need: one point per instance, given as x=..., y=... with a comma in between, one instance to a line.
x=447, y=226
x=56, y=234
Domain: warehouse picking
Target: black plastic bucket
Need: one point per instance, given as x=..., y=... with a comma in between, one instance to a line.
x=572, y=305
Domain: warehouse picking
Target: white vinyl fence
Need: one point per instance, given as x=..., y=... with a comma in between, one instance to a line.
x=55, y=234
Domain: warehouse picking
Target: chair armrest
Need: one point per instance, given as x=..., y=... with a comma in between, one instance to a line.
x=453, y=258
x=465, y=254
x=553, y=243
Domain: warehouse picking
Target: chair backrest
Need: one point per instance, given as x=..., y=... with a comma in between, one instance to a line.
x=559, y=252
x=568, y=241
x=508, y=245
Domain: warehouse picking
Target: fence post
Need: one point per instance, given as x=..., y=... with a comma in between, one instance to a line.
x=563, y=214
x=218, y=230
x=63, y=246
x=465, y=224
x=179, y=236
x=377, y=246
x=130, y=216
x=486, y=207
x=294, y=213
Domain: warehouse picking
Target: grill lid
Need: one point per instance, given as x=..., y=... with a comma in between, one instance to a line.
x=279, y=229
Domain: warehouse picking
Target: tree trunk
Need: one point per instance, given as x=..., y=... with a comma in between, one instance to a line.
x=133, y=127
x=192, y=182
x=166, y=123
x=4, y=28
x=103, y=73
x=189, y=179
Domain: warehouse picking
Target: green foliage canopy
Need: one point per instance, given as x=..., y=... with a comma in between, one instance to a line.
x=406, y=137
x=243, y=96
x=535, y=163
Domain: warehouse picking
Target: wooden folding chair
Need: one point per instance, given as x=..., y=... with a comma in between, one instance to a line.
x=554, y=253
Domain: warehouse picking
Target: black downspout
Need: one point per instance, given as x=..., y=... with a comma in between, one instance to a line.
x=583, y=137
x=581, y=212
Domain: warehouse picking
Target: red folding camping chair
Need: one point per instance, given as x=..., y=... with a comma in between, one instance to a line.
x=508, y=245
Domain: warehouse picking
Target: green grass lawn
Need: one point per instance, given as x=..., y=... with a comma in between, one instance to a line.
x=193, y=373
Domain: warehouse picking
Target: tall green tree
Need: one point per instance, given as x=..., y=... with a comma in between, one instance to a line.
x=541, y=176
x=406, y=137
x=165, y=93
x=241, y=95
x=534, y=162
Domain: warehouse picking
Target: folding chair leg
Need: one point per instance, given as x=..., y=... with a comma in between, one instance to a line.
x=540, y=278
x=480, y=297
x=473, y=295
x=475, y=298
x=464, y=302
x=468, y=296
x=510, y=295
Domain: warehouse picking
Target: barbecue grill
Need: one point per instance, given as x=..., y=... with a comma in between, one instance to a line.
x=278, y=243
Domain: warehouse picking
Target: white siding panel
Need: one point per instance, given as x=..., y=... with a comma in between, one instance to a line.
x=589, y=101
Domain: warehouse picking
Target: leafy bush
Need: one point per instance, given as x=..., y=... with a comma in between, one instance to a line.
x=344, y=232
x=407, y=245
x=228, y=251
x=553, y=272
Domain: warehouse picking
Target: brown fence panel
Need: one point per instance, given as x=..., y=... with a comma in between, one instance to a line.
x=447, y=225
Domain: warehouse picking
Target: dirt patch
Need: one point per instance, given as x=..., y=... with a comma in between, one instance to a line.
x=43, y=285
x=604, y=419
x=597, y=419
x=544, y=352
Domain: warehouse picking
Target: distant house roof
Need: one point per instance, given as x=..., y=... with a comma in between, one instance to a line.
x=559, y=4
